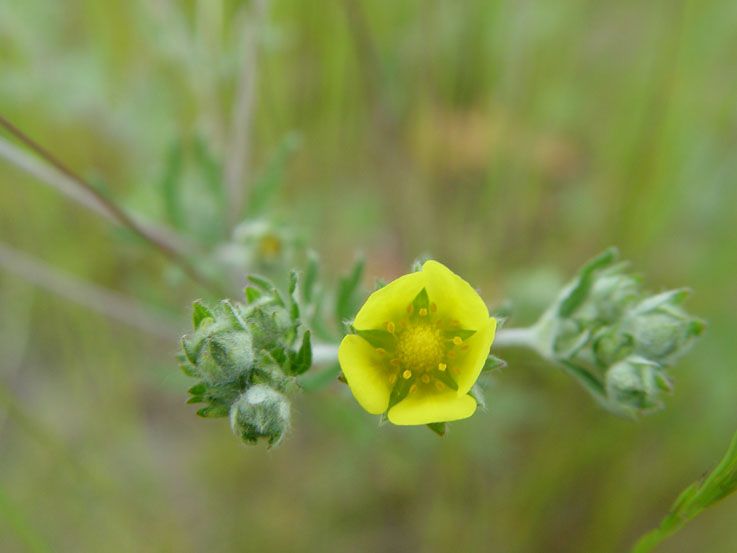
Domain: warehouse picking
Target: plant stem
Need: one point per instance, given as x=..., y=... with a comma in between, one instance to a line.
x=113, y=211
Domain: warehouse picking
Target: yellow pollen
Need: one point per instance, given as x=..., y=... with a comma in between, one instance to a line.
x=442, y=367
x=390, y=326
x=439, y=385
x=423, y=311
x=392, y=378
x=433, y=307
x=457, y=340
x=380, y=351
x=413, y=389
x=420, y=347
x=407, y=374
x=456, y=371
x=410, y=308
x=425, y=378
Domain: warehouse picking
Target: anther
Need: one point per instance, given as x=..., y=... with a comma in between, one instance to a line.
x=442, y=367
x=380, y=351
x=390, y=327
x=433, y=307
x=439, y=322
x=395, y=362
x=451, y=355
x=457, y=340
x=413, y=389
x=403, y=323
x=465, y=346
x=439, y=385
x=425, y=378
x=423, y=312
x=407, y=374
x=392, y=378
x=410, y=308
x=456, y=371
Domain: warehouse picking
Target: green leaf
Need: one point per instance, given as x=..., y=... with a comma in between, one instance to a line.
x=582, y=286
x=189, y=370
x=200, y=312
x=310, y=278
x=263, y=283
x=198, y=389
x=379, y=338
x=346, y=302
x=267, y=185
x=438, y=427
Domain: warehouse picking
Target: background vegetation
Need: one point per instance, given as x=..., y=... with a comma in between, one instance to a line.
x=510, y=140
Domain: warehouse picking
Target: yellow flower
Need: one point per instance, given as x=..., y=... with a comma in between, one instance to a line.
x=420, y=343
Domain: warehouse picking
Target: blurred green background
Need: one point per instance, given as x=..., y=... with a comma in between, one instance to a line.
x=510, y=140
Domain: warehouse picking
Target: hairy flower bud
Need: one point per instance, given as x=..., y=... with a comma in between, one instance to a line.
x=260, y=412
x=636, y=383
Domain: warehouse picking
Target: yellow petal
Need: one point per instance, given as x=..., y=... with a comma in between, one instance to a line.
x=455, y=297
x=473, y=359
x=365, y=373
x=390, y=302
x=427, y=407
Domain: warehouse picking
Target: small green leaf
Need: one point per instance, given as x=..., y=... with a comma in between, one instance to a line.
x=233, y=315
x=262, y=283
x=198, y=389
x=189, y=370
x=213, y=411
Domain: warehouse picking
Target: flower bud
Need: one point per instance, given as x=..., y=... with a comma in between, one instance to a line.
x=635, y=384
x=260, y=412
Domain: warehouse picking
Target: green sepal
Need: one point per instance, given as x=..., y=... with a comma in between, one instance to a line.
x=231, y=313
x=400, y=391
x=462, y=333
x=440, y=428
x=493, y=363
x=197, y=399
x=198, y=389
x=581, y=288
x=478, y=395
x=421, y=301
x=293, y=305
x=214, y=411
x=191, y=351
x=200, y=312
x=379, y=284
x=189, y=370
x=252, y=294
x=446, y=379
x=379, y=338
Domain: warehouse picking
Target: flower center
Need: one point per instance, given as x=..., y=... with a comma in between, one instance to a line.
x=420, y=347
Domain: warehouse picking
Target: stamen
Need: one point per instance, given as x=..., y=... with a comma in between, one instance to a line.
x=439, y=385
x=410, y=308
x=465, y=346
x=423, y=312
x=407, y=374
x=403, y=323
x=395, y=362
x=392, y=378
x=413, y=389
x=380, y=351
x=457, y=340
x=442, y=367
x=451, y=355
x=390, y=326
x=433, y=307
x=456, y=371
x=425, y=378
x=439, y=322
